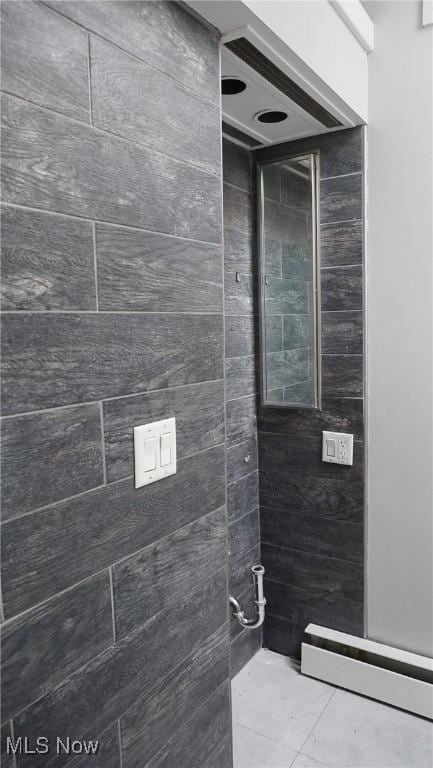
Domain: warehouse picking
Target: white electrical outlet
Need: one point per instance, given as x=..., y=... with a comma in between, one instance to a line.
x=337, y=448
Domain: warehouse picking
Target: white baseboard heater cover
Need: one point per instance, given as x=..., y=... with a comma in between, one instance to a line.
x=369, y=668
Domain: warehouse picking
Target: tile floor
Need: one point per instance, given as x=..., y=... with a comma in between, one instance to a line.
x=282, y=719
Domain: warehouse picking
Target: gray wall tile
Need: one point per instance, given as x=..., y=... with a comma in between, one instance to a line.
x=341, y=198
x=342, y=333
x=162, y=34
x=241, y=418
x=7, y=759
x=243, y=648
x=341, y=244
x=342, y=375
x=146, y=726
x=240, y=253
x=45, y=59
x=241, y=459
x=241, y=335
x=288, y=367
x=274, y=333
x=87, y=702
x=42, y=647
x=242, y=496
x=244, y=534
x=335, y=415
x=237, y=166
x=204, y=739
x=108, y=754
x=241, y=578
x=283, y=297
x=238, y=209
x=159, y=575
x=50, y=550
x=342, y=289
x=297, y=331
x=138, y=102
x=176, y=199
x=241, y=373
x=103, y=355
x=198, y=410
x=48, y=456
x=240, y=295
x=155, y=273
x=283, y=636
x=47, y=262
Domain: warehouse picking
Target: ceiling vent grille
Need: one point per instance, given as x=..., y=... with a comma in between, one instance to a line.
x=257, y=61
x=235, y=133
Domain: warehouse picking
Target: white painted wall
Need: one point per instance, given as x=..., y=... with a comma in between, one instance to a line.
x=399, y=301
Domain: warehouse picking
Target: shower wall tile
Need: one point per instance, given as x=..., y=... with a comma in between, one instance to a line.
x=240, y=295
x=341, y=198
x=302, y=453
x=7, y=758
x=159, y=34
x=274, y=333
x=204, y=739
x=134, y=100
x=341, y=244
x=241, y=374
x=47, y=261
x=242, y=496
x=283, y=636
x=113, y=296
x=87, y=702
x=241, y=577
x=241, y=459
x=145, y=726
x=241, y=334
x=342, y=333
x=336, y=415
x=176, y=199
x=198, y=410
x=297, y=331
x=238, y=209
x=342, y=289
x=48, y=551
x=140, y=271
x=237, y=166
x=45, y=59
x=342, y=375
x=56, y=638
x=241, y=417
x=48, y=456
x=240, y=252
x=287, y=367
x=104, y=355
x=157, y=576
x=243, y=648
x=244, y=534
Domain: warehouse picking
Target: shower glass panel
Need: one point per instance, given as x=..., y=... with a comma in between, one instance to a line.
x=289, y=289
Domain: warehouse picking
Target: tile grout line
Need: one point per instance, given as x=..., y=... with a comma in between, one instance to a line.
x=119, y=730
x=104, y=461
x=113, y=613
x=319, y=717
x=95, y=265
x=89, y=78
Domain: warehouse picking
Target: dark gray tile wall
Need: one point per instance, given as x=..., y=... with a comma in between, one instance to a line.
x=115, y=599
x=312, y=523
x=241, y=386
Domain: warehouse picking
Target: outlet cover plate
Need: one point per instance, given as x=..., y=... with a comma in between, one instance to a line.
x=154, y=451
x=337, y=448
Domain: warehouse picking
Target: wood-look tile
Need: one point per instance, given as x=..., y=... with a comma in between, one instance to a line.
x=240, y=575
x=241, y=459
x=241, y=335
x=342, y=375
x=238, y=209
x=237, y=166
x=283, y=297
x=341, y=244
x=297, y=260
x=303, y=454
x=243, y=648
x=318, y=577
x=108, y=754
x=283, y=636
x=335, y=415
x=87, y=702
x=342, y=333
x=301, y=393
x=108, y=175
x=242, y=496
x=147, y=272
x=158, y=33
x=147, y=726
x=341, y=289
x=47, y=262
x=7, y=758
x=313, y=494
x=274, y=333
x=297, y=331
x=202, y=740
x=49, y=456
x=240, y=296
x=244, y=534
x=50, y=550
x=41, y=647
x=45, y=59
x=165, y=572
x=341, y=198
x=104, y=355
x=295, y=191
x=136, y=101
x=271, y=175
x=240, y=377
x=285, y=368
x=198, y=410
x=318, y=535
x=240, y=252
x=241, y=419
x=273, y=254
x=303, y=604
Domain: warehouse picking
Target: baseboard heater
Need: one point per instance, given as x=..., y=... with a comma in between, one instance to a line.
x=390, y=675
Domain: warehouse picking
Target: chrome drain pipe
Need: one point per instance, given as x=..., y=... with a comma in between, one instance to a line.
x=260, y=602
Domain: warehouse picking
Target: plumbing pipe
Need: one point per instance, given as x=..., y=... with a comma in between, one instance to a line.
x=260, y=602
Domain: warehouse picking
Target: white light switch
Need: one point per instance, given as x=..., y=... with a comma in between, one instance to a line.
x=337, y=448
x=154, y=451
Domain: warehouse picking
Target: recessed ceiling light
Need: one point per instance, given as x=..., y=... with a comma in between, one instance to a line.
x=232, y=85
x=271, y=116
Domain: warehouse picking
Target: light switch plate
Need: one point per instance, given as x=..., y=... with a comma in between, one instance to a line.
x=154, y=451
x=337, y=448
